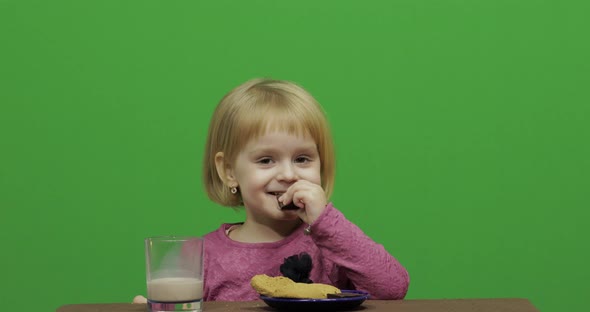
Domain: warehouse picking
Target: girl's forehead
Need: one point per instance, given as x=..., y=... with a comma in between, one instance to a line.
x=291, y=127
x=282, y=136
x=278, y=140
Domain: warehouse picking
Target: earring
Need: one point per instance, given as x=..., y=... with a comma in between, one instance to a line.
x=233, y=189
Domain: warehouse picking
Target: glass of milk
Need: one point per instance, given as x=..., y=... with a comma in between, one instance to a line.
x=174, y=273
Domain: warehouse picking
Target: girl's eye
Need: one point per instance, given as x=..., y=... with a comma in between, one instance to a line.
x=264, y=161
x=302, y=159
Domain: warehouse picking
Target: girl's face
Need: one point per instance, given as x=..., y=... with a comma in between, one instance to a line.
x=267, y=166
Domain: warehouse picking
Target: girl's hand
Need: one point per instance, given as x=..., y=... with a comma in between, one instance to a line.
x=140, y=299
x=309, y=197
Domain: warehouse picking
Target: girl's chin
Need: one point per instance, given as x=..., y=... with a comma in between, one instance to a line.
x=289, y=215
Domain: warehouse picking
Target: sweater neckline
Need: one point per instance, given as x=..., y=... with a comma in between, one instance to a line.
x=298, y=232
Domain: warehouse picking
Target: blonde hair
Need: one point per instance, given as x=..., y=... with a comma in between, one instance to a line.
x=253, y=108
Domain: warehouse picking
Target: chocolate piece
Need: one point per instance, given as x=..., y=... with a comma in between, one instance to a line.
x=290, y=206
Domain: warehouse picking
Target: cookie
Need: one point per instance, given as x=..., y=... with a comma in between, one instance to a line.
x=283, y=287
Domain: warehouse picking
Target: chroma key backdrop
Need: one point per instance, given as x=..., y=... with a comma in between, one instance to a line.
x=462, y=132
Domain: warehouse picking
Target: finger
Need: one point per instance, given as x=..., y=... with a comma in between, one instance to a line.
x=299, y=198
x=296, y=187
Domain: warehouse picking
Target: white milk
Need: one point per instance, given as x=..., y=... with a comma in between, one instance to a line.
x=175, y=289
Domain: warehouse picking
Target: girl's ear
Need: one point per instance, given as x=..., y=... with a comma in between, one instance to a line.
x=224, y=170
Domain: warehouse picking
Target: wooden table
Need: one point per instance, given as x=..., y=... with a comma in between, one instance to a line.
x=431, y=305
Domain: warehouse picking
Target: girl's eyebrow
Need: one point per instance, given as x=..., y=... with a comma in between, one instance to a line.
x=263, y=150
x=312, y=148
x=309, y=148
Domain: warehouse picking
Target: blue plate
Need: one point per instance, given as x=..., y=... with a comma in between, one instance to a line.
x=332, y=304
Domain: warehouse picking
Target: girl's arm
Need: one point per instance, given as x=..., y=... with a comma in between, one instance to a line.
x=366, y=264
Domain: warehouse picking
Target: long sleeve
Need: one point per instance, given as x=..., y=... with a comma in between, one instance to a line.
x=366, y=264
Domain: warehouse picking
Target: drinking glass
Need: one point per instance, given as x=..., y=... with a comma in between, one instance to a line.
x=174, y=273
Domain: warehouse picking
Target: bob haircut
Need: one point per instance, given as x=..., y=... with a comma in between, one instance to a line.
x=252, y=109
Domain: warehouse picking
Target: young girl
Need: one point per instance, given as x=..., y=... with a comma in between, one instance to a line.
x=269, y=149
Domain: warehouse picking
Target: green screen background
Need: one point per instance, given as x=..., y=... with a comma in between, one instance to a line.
x=461, y=127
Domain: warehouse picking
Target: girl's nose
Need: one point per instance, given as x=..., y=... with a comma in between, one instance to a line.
x=287, y=173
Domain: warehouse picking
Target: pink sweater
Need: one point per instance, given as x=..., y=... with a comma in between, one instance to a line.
x=342, y=256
